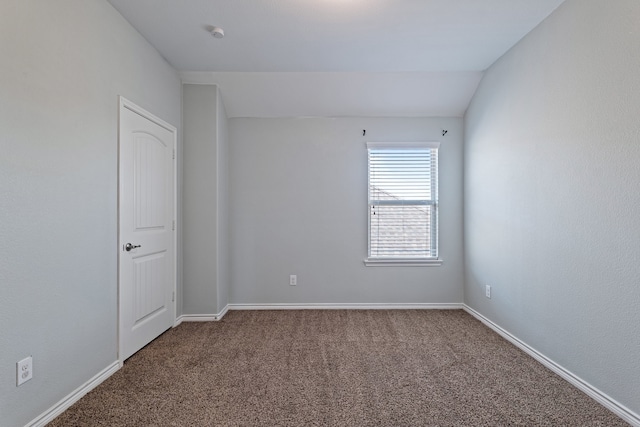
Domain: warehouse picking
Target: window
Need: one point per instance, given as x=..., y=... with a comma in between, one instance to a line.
x=403, y=203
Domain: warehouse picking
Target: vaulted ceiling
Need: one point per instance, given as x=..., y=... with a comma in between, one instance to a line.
x=336, y=57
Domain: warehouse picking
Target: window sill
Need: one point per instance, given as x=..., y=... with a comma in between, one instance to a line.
x=383, y=262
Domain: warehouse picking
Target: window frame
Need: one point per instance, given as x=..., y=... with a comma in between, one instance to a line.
x=433, y=227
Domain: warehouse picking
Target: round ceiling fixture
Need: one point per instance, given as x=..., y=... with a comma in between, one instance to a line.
x=217, y=32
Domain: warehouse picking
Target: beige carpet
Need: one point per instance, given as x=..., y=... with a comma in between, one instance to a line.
x=335, y=368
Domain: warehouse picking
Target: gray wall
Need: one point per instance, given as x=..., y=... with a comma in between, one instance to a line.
x=205, y=198
x=223, y=225
x=63, y=65
x=299, y=206
x=199, y=105
x=552, y=193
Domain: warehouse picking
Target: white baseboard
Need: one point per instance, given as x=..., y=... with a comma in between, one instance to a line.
x=76, y=395
x=602, y=398
x=356, y=306
x=201, y=317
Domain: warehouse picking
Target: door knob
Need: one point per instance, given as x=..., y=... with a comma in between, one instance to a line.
x=129, y=246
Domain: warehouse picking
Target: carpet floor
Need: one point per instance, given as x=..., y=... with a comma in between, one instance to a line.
x=335, y=368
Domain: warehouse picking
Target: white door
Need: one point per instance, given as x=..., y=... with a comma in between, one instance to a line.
x=147, y=260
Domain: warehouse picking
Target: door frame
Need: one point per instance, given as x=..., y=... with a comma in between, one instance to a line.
x=124, y=103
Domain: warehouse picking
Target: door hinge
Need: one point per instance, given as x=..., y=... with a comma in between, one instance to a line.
x=174, y=154
x=173, y=225
x=173, y=297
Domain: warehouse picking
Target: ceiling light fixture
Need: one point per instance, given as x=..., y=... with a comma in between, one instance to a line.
x=217, y=32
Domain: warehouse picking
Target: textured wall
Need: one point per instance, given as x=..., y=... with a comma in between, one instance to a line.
x=299, y=206
x=63, y=65
x=552, y=189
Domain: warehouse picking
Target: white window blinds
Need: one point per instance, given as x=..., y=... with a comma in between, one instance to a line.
x=403, y=200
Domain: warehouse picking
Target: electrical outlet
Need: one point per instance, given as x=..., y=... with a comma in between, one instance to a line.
x=487, y=291
x=293, y=280
x=24, y=370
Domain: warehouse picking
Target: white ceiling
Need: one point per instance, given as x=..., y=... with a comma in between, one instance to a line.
x=364, y=46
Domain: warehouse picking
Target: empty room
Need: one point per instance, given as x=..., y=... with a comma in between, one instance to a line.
x=319, y=212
